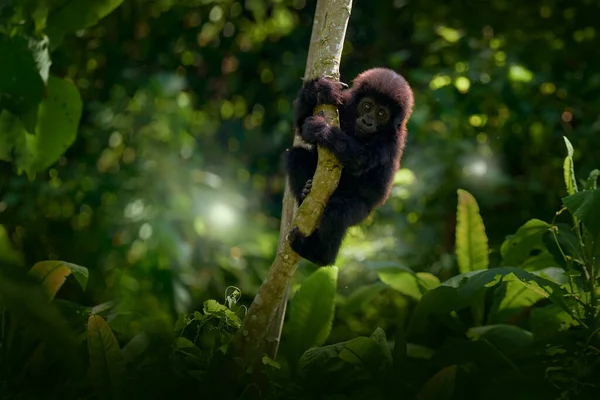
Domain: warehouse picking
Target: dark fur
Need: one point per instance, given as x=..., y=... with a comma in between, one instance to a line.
x=369, y=164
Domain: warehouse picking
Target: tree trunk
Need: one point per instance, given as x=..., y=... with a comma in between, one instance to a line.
x=266, y=313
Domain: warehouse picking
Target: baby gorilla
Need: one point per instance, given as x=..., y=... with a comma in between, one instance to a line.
x=369, y=144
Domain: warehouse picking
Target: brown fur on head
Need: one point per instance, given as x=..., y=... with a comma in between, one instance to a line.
x=387, y=83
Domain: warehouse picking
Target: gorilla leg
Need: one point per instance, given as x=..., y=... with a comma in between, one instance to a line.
x=300, y=164
x=323, y=245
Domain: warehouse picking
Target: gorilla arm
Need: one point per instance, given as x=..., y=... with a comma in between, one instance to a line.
x=316, y=92
x=354, y=156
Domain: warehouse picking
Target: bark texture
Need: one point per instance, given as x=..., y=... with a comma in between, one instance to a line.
x=262, y=324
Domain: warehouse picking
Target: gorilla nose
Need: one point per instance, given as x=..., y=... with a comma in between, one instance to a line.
x=367, y=122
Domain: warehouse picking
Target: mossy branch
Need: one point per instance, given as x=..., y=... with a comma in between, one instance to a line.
x=325, y=52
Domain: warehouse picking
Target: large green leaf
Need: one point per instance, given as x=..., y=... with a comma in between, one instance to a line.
x=514, y=296
x=510, y=340
x=345, y=366
x=406, y=281
x=22, y=298
x=419, y=352
x=53, y=274
x=586, y=207
x=74, y=15
x=107, y=367
x=472, y=251
x=412, y=285
x=311, y=312
x=548, y=321
x=380, y=338
x=315, y=358
x=366, y=353
x=462, y=290
x=55, y=126
x=526, y=248
x=21, y=85
x=569, y=169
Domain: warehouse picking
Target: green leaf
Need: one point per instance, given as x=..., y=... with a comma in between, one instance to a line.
x=21, y=85
x=53, y=274
x=569, y=169
x=363, y=352
x=57, y=125
x=353, y=368
x=311, y=312
x=508, y=339
x=568, y=245
x=472, y=251
x=548, y=321
x=379, y=337
x=554, y=274
x=419, y=352
x=107, y=367
x=402, y=280
x=515, y=296
x=266, y=360
x=366, y=353
x=216, y=309
x=586, y=207
x=184, y=343
x=427, y=281
x=213, y=307
x=460, y=292
x=592, y=180
x=316, y=357
x=440, y=386
x=28, y=307
x=405, y=281
x=526, y=249
x=74, y=15
x=39, y=14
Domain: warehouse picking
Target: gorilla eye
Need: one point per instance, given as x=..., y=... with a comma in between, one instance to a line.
x=367, y=106
x=382, y=114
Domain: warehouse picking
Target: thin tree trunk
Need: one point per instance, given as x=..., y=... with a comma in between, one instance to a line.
x=268, y=308
x=272, y=340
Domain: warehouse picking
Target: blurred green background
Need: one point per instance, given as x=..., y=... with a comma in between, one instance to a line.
x=173, y=188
